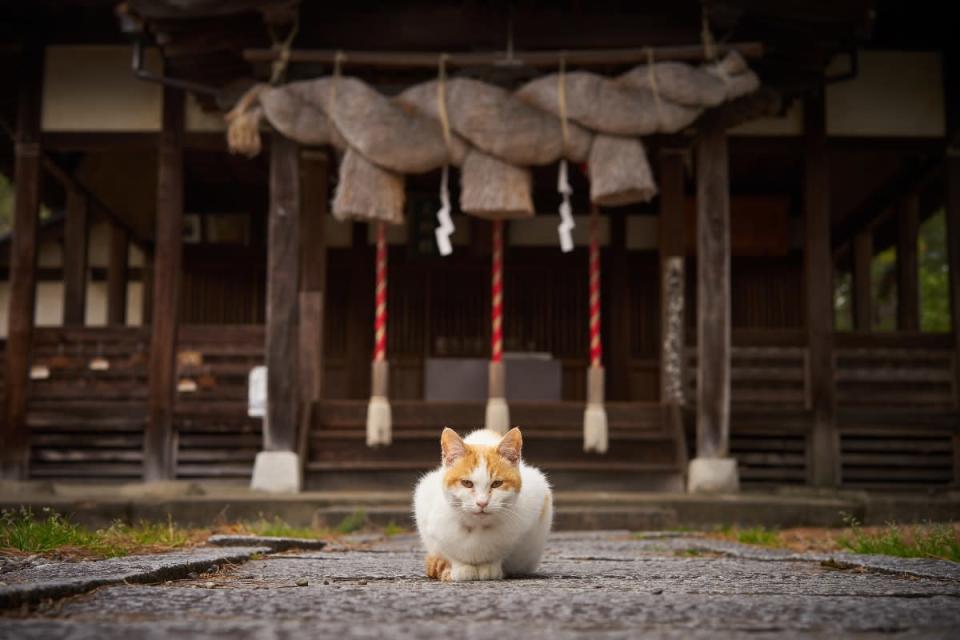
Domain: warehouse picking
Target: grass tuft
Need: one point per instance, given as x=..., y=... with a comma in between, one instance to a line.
x=353, y=522
x=21, y=531
x=279, y=528
x=758, y=535
x=926, y=541
x=393, y=529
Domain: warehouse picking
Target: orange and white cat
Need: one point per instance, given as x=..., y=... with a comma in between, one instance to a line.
x=483, y=513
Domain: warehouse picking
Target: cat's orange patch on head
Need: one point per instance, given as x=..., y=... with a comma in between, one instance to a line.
x=499, y=460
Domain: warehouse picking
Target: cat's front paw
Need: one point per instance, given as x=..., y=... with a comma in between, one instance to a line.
x=492, y=571
x=463, y=573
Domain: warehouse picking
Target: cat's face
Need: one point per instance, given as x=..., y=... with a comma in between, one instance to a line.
x=481, y=481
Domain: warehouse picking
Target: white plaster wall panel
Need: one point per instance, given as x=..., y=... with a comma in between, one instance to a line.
x=92, y=88
x=895, y=93
x=96, y=304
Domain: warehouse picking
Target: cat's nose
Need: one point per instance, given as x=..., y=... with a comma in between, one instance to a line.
x=483, y=501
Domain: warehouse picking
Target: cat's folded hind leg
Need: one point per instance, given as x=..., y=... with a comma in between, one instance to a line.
x=438, y=567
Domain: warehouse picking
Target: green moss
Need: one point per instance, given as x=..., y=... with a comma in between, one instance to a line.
x=352, y=522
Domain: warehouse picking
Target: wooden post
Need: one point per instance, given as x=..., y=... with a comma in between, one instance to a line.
x=117, y=276
x=159, y=443
x=617, y=279
x=953, y=256
x=283, y=290
x=862, y=281
x=75, y=238
x=713, y=295
x=313, y=284
x=908, y=285
x=672, y=279
x=818, y=276
x=14, y=434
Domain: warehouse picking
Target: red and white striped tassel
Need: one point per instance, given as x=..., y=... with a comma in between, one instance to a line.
x=378, y=411
x=497, y=413
x=595, y=436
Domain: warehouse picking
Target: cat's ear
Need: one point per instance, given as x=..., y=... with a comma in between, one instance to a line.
x=510, y=446
x=451, y=446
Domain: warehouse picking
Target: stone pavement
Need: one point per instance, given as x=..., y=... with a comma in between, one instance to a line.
x=597, y=585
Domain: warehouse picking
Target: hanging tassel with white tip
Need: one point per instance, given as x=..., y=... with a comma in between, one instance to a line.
x=497, y=416
x=595, y=432
x=379, y=420
x=565, y=229
x=445, y=228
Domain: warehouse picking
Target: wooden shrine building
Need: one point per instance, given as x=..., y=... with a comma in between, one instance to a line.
x=745, y=311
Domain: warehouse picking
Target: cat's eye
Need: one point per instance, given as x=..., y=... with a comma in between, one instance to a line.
x=467, y=484
x=496, y=483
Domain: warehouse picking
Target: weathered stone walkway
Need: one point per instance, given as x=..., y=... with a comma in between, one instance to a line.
x=607, y=585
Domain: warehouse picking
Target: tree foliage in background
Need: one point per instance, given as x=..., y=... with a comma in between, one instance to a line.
x=934, y=278
x=933, y=285
x=6, y=204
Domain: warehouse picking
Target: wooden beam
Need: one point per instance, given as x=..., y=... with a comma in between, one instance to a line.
x=818, y=285
x=908, y=284
x=117, y=274
x=283, y=290
x=713, y=295
x=159, y=461
x=313, y=284
x=428, y=60
x=617, y=281
x=75, y=240
x=862, y=281
x=14, y=434
x=761, y=103
x=70, y=183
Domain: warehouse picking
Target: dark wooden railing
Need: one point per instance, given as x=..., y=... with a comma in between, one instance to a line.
x=87, y=402
x=898, y=415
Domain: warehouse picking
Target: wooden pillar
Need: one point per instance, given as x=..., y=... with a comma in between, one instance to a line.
x=283, y=290
x=75, y=237
x=672, y=278
x=617, y=280
x=953, y=256
x=713, y=295
x=818, y=276
x=908, y=285
x=313, y=284
x=117, y=276
x=862, y=282
x=159, y=455
x=14, y=434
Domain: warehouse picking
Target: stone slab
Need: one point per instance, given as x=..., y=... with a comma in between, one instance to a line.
x=38, y=582
x=609, y=585
x=274, y=543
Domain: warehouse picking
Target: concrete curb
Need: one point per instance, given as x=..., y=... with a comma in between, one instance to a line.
x=273, y=543
x=58, y=580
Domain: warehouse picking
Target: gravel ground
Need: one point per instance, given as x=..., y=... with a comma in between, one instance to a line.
x=607, y=585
